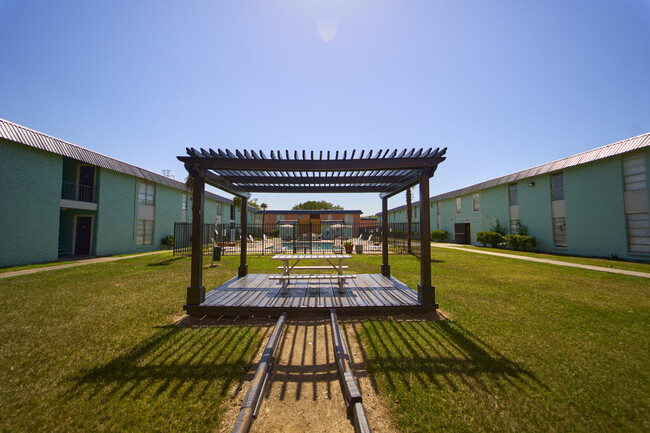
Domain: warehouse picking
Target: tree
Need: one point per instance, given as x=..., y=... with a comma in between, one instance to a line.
x=254, y=204
x=316, y=205
x=263, y=206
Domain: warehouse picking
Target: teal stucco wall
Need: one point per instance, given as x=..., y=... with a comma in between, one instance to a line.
x=168, y=211
x=31, y=199
x=535, y=210
x=595, y=209
x=116, y=213
x=495, y=205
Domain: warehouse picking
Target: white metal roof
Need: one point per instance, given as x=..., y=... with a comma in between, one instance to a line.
x=29, y=137
x=620, y=147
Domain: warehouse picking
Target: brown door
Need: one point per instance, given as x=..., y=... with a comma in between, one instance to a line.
x=82, y=233
x=462, y=233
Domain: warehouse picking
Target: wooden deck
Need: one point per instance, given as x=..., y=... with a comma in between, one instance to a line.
x=258, y=295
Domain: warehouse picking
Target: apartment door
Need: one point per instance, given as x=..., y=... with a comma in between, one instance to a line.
x=462, y=233
x=82, y=235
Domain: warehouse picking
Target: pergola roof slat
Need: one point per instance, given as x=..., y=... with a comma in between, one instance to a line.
x=243, y=172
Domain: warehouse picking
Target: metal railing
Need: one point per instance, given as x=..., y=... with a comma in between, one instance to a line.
x=183, y=239
x=299, y=237
x=78, y=192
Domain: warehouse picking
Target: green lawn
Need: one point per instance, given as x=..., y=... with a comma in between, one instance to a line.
x=529, y=347
x=94, y=348
x=34, y=266
x=605, y=263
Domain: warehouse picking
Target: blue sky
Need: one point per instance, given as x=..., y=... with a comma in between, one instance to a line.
x=504, y=85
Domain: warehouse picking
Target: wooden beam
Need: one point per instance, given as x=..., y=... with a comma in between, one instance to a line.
x=385, y=267
x=224, y=185
x=243, y=266
x=196, y=291
x=316, y=189
x=312, y=165
x=401, y=187
x=426, y=292
x=310, y=180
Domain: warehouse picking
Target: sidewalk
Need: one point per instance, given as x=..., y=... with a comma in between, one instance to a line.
x=81, y=262
x=550, y=262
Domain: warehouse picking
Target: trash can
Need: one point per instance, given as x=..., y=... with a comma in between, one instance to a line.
x=216, y=254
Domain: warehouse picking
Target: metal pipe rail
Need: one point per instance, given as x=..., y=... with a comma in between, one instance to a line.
x=351, y=393
x=251, y=405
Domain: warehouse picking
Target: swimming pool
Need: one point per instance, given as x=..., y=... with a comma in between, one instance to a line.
x=307, y=247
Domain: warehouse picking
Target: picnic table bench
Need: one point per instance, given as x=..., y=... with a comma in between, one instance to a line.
x=335, y=262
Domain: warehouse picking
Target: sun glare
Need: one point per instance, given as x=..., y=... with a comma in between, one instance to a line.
x=327, y=29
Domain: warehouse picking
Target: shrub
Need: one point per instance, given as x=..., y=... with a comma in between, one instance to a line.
x=439, y=235
x=497, y=228
x=493, y=238
x=275, y=233
x=521, y=229
x=168, y=241
x=520, y=241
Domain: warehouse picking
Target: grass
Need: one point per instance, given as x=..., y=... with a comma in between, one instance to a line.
x=95, y=348
x=592, y=261
x=529, y=347
x=34, y=266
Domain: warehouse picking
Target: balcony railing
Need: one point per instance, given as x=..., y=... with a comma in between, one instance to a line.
x=75, y=191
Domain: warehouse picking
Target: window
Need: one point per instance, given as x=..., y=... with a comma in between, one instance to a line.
x=459, y=208
x=559, y=231
x=278, y=217
x=439, y=217
x=512, y=194
x=145, y=233
x=476, y=202
x=514, y=227
x=145, y=193
x=349, y=219
x=184, y=202
x=232, y=211
x=636, y=203
x=557, y=187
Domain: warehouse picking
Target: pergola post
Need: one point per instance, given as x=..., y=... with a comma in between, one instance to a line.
x=196, y=291
x=243, y=266
x=426, y=292
x=385, y=267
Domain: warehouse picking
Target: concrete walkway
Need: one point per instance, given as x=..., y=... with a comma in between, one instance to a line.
x=81, y=262
x=550, y=262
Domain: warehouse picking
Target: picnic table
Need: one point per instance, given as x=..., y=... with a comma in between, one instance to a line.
x=290, y=262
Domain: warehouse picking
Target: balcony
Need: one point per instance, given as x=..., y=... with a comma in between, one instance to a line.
x=77, y=196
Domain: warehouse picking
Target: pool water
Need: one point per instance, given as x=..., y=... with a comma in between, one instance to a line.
x=302, y=246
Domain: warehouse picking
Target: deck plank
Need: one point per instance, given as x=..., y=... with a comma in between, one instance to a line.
x=257, y=294
x=312, y=294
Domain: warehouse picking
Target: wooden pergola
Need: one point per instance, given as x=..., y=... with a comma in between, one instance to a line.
x=242, y=173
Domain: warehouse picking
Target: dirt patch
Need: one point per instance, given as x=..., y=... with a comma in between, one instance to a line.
x=304, y=393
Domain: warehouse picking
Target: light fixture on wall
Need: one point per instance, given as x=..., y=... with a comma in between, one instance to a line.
x=531, y=184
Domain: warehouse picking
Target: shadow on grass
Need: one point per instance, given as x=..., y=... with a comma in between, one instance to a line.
x=435, y=355
x=166, y=262
x=176, y=362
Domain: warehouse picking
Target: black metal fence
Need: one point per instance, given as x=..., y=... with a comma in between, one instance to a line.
x=183, y=239
x=305, y=237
